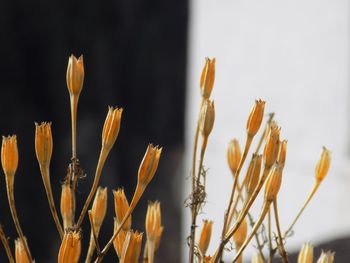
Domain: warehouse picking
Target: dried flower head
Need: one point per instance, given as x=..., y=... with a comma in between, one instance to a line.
x=255, y=118
x=323, y=164
x=9, y=155
x=111, y=127
x=272, y=146
x=75, y=75
x=67, y=205
x=234, y=155
x=121, y=206
x=154, y=228
x=132, y=247
x=20, y=253
x=306, y=254
x=257, y=259
x=207, y=118
x=282, y=153
x=205, y=236
x=70, y=248
x=118, y=242
x=326, y=257
x=149, y=165
x=99, y=207
x=43, y=143
x=207, y=78
x=273, y=183
x=241, y=234
x=253, y=174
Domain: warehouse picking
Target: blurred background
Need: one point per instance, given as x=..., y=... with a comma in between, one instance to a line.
x=147, y=58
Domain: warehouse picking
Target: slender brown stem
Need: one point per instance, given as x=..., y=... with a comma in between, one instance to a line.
x=101, y=161
x=314, y=189
x=271, y=253
x=73, y=109
x=45, y=174
x=93, y=241
x=281, y=244
x=5, y=242
x=257, y=239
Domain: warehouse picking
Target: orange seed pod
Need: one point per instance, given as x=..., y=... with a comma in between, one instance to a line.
x=241, y=234
x=272, y=146
x=281, y=158
x=111, y=127
x=20, y=253
x=75, y=75
x=9, y=155
x=306, y=254
x=253, y=174
x=70, y=248
x=132, y=247
x=67, y=205
x=118, y=242
x=43, y=143
x=234, y=155
x=149, y=165
x=207, y=118
x=273, y=183
x=153, y=223
x=255, y=118
x=99, y=207
x=205, y=236
x=207, y=78
x=323, y=164
x=121, y=206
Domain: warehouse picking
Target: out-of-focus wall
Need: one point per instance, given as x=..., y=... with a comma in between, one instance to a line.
x=295, y=55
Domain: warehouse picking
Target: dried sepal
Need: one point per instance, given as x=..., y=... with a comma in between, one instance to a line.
x=149, y=165
x=154, y=228
x=207, y=78
x=20, y=252
x=326, y=257
x=306, y=254
x=99, y=207
x=121, y=206
x=43, y=143
x=111, y=127
x=75, y=75
x=233, y=155
x=9, y=155
x=67, y=205
x=204, y=239
x=70, y=247
x=273, y=183
x=207, y=118
x=272, y=146
x=118, y=242
x=255, y=118
x=132, y=247
x=282, y=153
x=241, y=234
x=253, y=174
x=323, y=164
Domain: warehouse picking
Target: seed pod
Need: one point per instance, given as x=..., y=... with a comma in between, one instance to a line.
x=9, y=156
x=241, y=234
x=43, y=143
x=75, y=75
x=207, y=78
x=282, y=153
x=118, y=242
x=273, y=183
x=323, y=164
x=121, y=206
x=257, y=259
x=306, y=254
x=205, y=237
x=233, y=155
x=154, y=228
x=326, y=257
x=111, y=127
x=149, y=165
x=255, y=118
x=132, y=247
x=20, y=253
x=70, y=248
x=99, y=208
x=253, y=174
x=272, y=146
x=67, y=205
x=207, y=118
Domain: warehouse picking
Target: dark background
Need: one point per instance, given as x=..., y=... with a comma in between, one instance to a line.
x=135, y=58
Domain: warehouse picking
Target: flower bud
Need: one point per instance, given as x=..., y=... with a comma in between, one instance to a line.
x=75, y=75
x=121, y=206
x=207, y=78
x=326, y=257
x=154, y=228
x=99, y=207
x=273, y=183
x=306, y=254
x=20, y=252
x=323, y=164
x=241, y=234
x=132, y=247
x=257, y=259
x=205, y=237
x=253, y=174
x=149, y=165
x=70, y=248
x=43, y=143
x=118, y=242
x=9, y=155
x=281, y=158
x=272, y=146
x=207, y=118
x=67, y=205
x=111, y=127
x=233, y=155
x=255, y=118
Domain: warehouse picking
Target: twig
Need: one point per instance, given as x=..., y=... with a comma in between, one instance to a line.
x=271, y=253
x=94, y=234
x=4, y=241
x=281, y=245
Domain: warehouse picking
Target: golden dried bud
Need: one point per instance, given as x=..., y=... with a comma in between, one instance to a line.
x=272, y=146
x=273, y=183
x=253, y=174
x=326, y=257
x=281, y=158
x=306, y=254
x=207, y=118
x=70, y=248
x=241, y=234
x=67, y=205
x=118, y=242
x=323, y=164
x=233, y=155
x=111, y=127
x=132, y=247
x=257, y=259
x=149, y=165
x=75, y=75
x=204, y=239
x=9, y=155
x=154, y=228
x=43, y=143
x=207, y=78
x=255, y=117
x=99, y=207
x=121, y=206
x=20, y=252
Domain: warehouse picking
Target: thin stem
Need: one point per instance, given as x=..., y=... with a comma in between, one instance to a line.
x=281, y=245
x=271, y=115
x=11, y=199
x=5, y=242
x=93, y=240
x=101, y=161
x=73, y=110
x=259, y=246
x=45, y=174
x=314, y=189
x=271, y=253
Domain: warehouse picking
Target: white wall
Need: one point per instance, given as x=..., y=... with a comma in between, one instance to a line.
x=294, y=55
